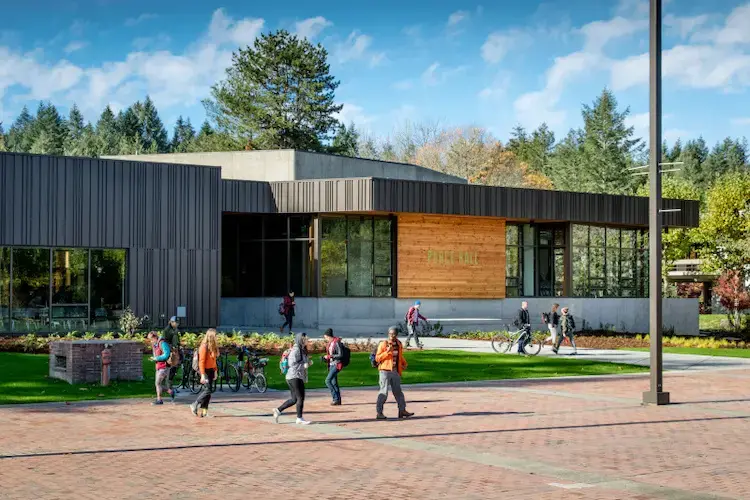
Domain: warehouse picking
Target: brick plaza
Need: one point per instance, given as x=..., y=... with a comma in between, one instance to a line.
x=585, y=438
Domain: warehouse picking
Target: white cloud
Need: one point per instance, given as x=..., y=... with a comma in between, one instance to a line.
x=640, y=123
x=499, y=43
x=74, y=46
x=143, y=43
x=312, y=27
x=134, y=21
x=357, y=48
x=736, y=29
x=435, y=74
x=685, y=26
x=497, y=89
x=169, y=78
x=599, y=33
x=457, y=17
x=351, y=113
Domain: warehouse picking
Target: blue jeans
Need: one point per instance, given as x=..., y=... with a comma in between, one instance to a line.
x=332, y=382
x=523, y=340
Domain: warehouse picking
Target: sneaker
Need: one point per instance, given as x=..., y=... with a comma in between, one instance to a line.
x=172, y=395
x=301, y=421
x=554, y=350
x=204, y=412
x=276, y=415
x=158, y=402
x=405, y=414
x=336, y=403
x=381, y=417
x=194, y=409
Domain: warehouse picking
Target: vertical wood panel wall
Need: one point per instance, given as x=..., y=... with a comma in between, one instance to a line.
x=167, y=216
x=450, y=257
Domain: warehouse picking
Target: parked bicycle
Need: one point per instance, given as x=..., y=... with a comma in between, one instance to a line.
x=227, y=374
x=252, y=370
x=504, y=341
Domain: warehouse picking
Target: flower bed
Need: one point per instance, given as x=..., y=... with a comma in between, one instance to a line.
x=267, y=344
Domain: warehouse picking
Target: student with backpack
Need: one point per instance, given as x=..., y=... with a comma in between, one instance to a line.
x=568, y=327
x=552, y=320
x=391, y=364
x=161, y=350
x=337, y=357
x=412, y=324
x=296, y=377
x=286, y=309
x=207, y=354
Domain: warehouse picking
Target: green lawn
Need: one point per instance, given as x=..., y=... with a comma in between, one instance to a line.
x=703, y=351
x=25, y=375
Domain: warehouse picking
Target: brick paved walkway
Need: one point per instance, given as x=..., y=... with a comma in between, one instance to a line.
x=517, y=439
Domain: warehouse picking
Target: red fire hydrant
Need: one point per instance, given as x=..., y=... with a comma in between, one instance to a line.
x=106, y=360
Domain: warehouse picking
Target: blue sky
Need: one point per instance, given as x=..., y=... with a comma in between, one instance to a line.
x=493, y=64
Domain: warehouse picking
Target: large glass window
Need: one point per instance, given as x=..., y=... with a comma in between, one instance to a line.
x=4, y=289
x=30, y=289
x=267, y=256
x=513, y=261
x=107, y=288
x=534, y=260
x=357, y=257
x=608, y=262
x=70, y=290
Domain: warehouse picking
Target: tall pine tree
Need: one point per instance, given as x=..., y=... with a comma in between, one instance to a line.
x=107, y=135
x=153, y=133
x=184, y=135
x=19, y=135
x=536, y=149
x=346, y=141
x=48, y=131
x=2, y=138
x=74, y=144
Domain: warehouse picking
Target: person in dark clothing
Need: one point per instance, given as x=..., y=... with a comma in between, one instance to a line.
x=296, y=378
x=172, y=335
x=568, y=326
x=288, y=308
x=524, y=323
x=333, y=356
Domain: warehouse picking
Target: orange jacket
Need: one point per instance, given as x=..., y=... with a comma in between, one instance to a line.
x=206, y=360
x=385, y=358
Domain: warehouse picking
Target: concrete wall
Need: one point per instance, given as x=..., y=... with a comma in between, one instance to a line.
x=366, y=316
x=289, y=165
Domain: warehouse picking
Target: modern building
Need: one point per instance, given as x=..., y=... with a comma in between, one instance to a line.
x=219, y=237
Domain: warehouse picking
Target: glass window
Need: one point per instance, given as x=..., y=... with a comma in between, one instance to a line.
x=247, y=281
x=333, y=257
x=580, y=258
x=512, y=235
x=596, y=237
x=301, y=268
x=4, y=289
x=108, y=271
x=70, y=291
x=580, y=235
x=613, y=237
x=275, y=267
x=245, y=227
x=360, y=277
x=300, y=226
x=383, y=230
x=361, y=229
x=559, y=271
x=275, y=227
x=30, y=306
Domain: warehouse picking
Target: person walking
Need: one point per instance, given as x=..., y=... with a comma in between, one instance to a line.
x=333, y=356
x=523, y=321
x=161, y=350
x=287, y=306
x=296, y=378
x=553, y=321
x=172, y=335
x=391, y=364
x=568, y=327
x=412, y=323
x=208, y=353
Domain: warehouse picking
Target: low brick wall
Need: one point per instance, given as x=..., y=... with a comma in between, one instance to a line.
x=79, y=361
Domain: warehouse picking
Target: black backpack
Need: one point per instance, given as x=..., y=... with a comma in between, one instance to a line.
x=545, y=318
x=346, y=354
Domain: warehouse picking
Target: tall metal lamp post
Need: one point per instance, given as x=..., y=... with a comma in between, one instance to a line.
x=656, y=394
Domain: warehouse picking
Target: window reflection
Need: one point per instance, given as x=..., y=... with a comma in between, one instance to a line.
x=30, y=294
x=108, y=271
x=70, y=291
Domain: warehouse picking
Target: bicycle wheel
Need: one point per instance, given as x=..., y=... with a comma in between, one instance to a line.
x=247, y=380
x=260, y=383
x=178, y=376
x=232, y=378
x=502, y=342
x=534, y=345
x=195, y=382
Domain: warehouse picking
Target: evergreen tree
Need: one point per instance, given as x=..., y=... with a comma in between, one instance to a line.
x=279, y=94
x=107, y=135
x=346, y=141
x=129, y=131
x=48, y=131
x=183, y=136
x=209, y=140
x=153, y=134
x=74, y=137
x=368, y=148
x=728, y=156
x=534, y=150
x=206, y=129
x=2, y=138
x=597, y=159
x=694, y=154
x=19, y=135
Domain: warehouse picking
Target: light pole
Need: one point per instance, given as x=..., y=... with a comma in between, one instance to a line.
x=656, y=394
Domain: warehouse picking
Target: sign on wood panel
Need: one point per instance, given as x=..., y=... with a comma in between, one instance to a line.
x=451, y=257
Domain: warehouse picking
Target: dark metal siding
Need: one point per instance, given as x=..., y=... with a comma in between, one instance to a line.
x=400, y=196
x=167, y=216
x=331, y=195
x=247, y=196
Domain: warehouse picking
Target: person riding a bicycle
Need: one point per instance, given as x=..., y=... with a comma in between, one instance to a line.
x=523, y=321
